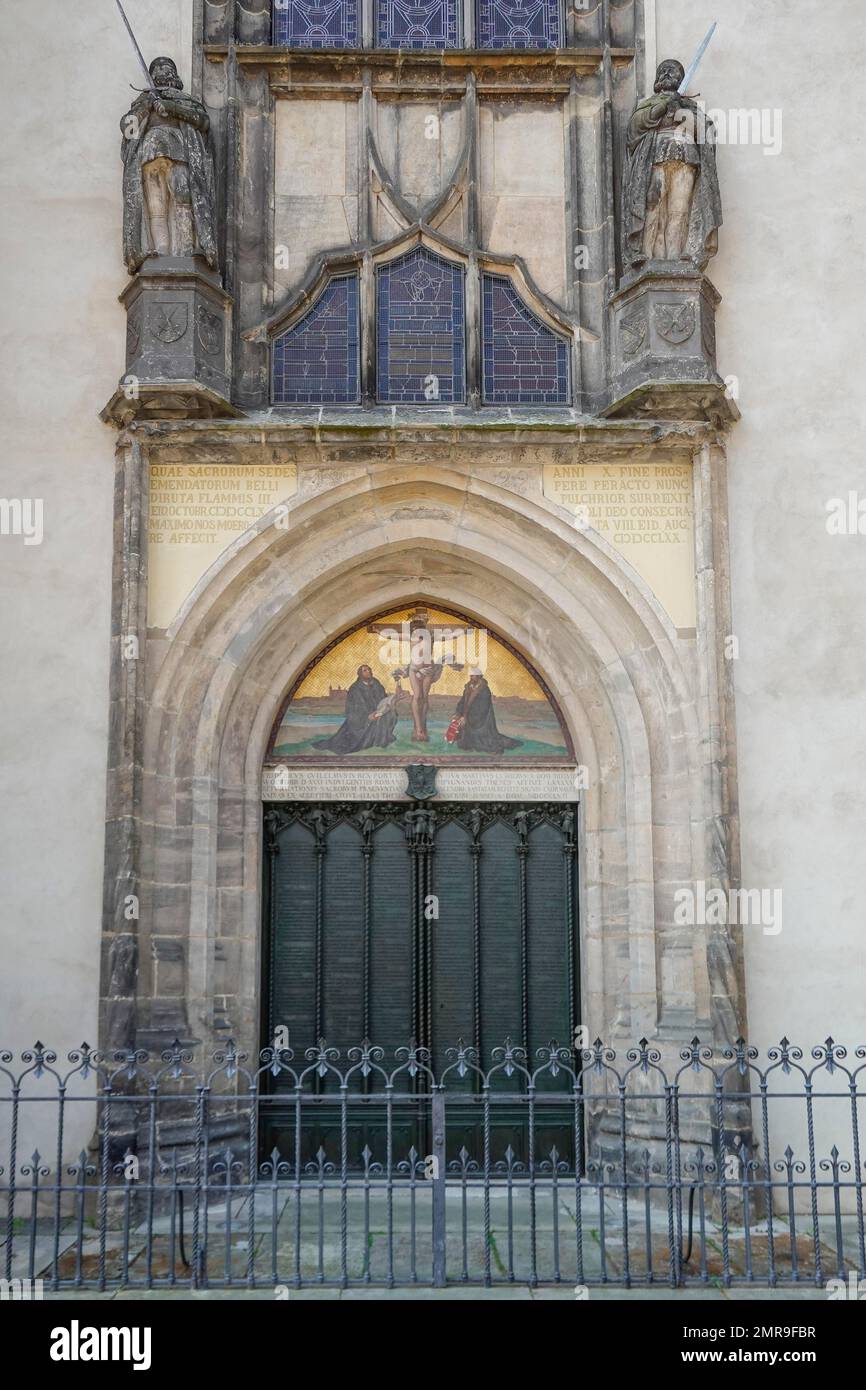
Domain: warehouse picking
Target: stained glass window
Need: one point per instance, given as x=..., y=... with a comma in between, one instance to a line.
x=518, y=24
x=420, y=336
x=328, y=24
x=417, y=23
x=316, y=361
x=525, y=362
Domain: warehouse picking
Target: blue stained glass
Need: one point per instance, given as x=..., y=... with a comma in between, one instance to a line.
x=328, y=24
x=316, y=361
x=417, y=24
x=525, y=362
x=518, y=24
x=420, y=351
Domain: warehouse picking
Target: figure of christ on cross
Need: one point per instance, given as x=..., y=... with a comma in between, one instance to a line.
x=422, y=671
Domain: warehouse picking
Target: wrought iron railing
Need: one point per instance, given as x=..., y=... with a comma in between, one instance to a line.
x=672, y=1167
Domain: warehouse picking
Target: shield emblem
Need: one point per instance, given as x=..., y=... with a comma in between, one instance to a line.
x=633, y=333
x=675, y=322
x=133, y=334
x=170, y=321
x=210, y=331
x=421, y=781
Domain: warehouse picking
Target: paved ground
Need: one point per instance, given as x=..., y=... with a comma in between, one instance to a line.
x=520, y=1292
x=264, y=1238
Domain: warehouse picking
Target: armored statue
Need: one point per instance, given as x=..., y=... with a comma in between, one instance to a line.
x=169, y=203
x=672, y=208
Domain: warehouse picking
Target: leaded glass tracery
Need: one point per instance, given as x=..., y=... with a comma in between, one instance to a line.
x=316, y=361
x=417, y=24
x=420, y=329
x=525, y=362
x=518, y=24
x=328, y=24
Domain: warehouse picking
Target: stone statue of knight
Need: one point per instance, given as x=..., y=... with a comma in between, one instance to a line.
x=672, y=208
x=169, y=203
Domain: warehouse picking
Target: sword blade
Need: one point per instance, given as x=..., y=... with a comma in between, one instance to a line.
x=696, y=61
x=145, y=69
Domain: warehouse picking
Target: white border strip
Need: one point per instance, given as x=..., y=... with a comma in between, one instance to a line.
x=286, y=783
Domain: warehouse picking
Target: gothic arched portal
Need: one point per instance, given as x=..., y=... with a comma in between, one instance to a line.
x=379, y=541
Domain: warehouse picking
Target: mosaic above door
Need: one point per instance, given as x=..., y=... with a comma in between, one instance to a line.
x=419, y=683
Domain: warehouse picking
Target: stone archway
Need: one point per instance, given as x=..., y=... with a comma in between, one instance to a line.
x=649, y=818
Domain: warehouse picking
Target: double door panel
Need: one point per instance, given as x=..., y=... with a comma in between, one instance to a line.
x=436, y=925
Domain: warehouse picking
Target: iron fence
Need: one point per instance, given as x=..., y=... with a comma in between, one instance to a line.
x=674, y=1167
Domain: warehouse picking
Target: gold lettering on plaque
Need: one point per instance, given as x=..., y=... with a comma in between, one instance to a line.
x=645, y=510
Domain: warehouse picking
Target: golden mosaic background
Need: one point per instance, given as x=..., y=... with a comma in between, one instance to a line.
x=505, y=674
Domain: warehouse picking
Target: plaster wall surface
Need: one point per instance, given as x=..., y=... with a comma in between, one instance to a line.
x=789, y=328
x=67, y=71
x=788, y=273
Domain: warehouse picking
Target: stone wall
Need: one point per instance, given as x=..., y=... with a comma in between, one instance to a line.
x=787, y=250
x=68, y=70
x=788, y=328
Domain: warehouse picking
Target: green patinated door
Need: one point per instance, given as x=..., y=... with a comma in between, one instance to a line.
x=434, y=923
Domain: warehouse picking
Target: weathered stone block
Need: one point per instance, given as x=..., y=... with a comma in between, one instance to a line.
x=178, y=344
x=663, y=333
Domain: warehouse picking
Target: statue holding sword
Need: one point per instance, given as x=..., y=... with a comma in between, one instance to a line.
x=672, y=207
x=169, y=202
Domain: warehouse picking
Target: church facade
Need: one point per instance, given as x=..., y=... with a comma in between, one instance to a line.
x=464, y=639
x=437, y=397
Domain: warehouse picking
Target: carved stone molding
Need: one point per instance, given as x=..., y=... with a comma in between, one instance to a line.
x=664, y=346
x=178, y=345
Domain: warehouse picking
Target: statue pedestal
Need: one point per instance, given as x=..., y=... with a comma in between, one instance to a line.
x=663, y=335
x=178, y=345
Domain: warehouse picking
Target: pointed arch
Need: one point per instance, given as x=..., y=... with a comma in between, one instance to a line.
x=523, y=718
x=569, y=604
x=420, y=329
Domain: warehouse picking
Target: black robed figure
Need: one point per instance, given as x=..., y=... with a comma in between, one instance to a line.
x=478, y=732
x=370, y=717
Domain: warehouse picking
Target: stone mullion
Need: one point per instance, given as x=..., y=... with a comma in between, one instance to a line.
x=607, y=184
x=199, y=38
x=644, y=40
x=214, y=95
x=474, y=332
x=572, y=234
x=586, y=151
x=367, y=295
x=232, y=175
x=365, y=189
x=474, y=298
x=367, y=301
x=367, y=17
x=251, y=183
x=468, y=36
